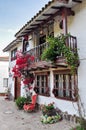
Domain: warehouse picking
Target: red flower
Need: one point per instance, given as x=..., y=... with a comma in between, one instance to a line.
x=30, y=88
x=26, y=81
x=22, y=64
x=32, y=58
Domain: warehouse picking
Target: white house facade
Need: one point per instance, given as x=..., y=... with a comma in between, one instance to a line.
x=4, y=64
x=66, y=16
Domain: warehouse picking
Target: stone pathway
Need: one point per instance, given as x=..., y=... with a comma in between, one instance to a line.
x=13, y=119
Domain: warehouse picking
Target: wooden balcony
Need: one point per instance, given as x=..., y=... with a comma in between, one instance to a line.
x=71, y=42
x=37, y=51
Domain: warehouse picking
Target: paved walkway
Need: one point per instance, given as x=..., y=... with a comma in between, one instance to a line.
x=13, y=119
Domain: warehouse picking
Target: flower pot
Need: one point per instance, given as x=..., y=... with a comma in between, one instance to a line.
x=61, y=61
x=51, y=112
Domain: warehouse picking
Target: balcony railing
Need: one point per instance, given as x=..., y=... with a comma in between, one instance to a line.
x=72, y=43
x=37, y=51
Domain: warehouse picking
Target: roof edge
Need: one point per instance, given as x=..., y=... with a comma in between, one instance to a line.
x=12, y=44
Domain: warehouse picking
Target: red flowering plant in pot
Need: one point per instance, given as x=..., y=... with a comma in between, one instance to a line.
x=23, y=62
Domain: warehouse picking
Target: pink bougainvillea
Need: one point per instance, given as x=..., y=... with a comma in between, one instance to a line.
x=16, y=72
x=21, y=67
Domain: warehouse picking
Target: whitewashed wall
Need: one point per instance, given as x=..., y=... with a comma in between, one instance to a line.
x=3, y=74
x=77, y=27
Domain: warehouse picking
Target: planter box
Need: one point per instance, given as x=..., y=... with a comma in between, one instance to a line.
x=61, y=61
x=2, y=94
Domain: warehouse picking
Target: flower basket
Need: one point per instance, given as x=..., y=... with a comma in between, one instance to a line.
x=45, y=119
x=49, y=114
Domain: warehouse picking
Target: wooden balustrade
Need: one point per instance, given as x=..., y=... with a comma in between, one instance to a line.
x=37, y=51
x=71, y=42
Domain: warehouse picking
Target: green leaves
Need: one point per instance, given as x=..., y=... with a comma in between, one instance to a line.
x=20, y=102
x=57, y=47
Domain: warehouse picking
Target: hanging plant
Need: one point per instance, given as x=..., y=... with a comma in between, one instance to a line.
x=57, y=48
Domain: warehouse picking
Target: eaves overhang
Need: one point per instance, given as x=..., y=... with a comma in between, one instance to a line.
x=44, y=15
x=12, y=44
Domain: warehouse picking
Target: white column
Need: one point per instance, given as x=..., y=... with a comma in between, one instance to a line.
x=51, y=83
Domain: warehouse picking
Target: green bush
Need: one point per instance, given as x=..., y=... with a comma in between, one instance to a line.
x=20, y=102
x=78, y=128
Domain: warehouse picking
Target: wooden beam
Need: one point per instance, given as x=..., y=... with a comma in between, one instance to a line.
x=70, y=12
x=34, y=24
x=64, y=17
x=56, y=7
x=78, y=1
x=46, y=14
x=41, y=20
x=29, y=29
x=44, y=21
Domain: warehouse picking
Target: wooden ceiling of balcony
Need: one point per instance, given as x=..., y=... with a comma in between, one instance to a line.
x=45, y=65
x=50, y=16
x=47, y=13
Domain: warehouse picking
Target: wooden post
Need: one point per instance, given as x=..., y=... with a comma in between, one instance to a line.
x=64, y=17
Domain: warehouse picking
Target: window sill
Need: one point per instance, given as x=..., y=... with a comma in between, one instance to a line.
x=46, y=95
x=66, y=99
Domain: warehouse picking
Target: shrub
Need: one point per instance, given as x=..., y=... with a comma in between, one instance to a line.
x=20, y=102
x=78, y=128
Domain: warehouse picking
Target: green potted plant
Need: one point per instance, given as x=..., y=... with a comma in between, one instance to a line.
x=20, y=101
x=49, y=114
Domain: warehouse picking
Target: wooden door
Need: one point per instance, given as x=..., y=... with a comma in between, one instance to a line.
x=17, y=87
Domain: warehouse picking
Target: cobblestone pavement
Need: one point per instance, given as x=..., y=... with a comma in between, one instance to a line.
x=13, y=119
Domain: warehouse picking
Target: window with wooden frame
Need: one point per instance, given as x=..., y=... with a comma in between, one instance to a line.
x=41, y=84
x=5, y=82
x=13, y=54
x=65, y=85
